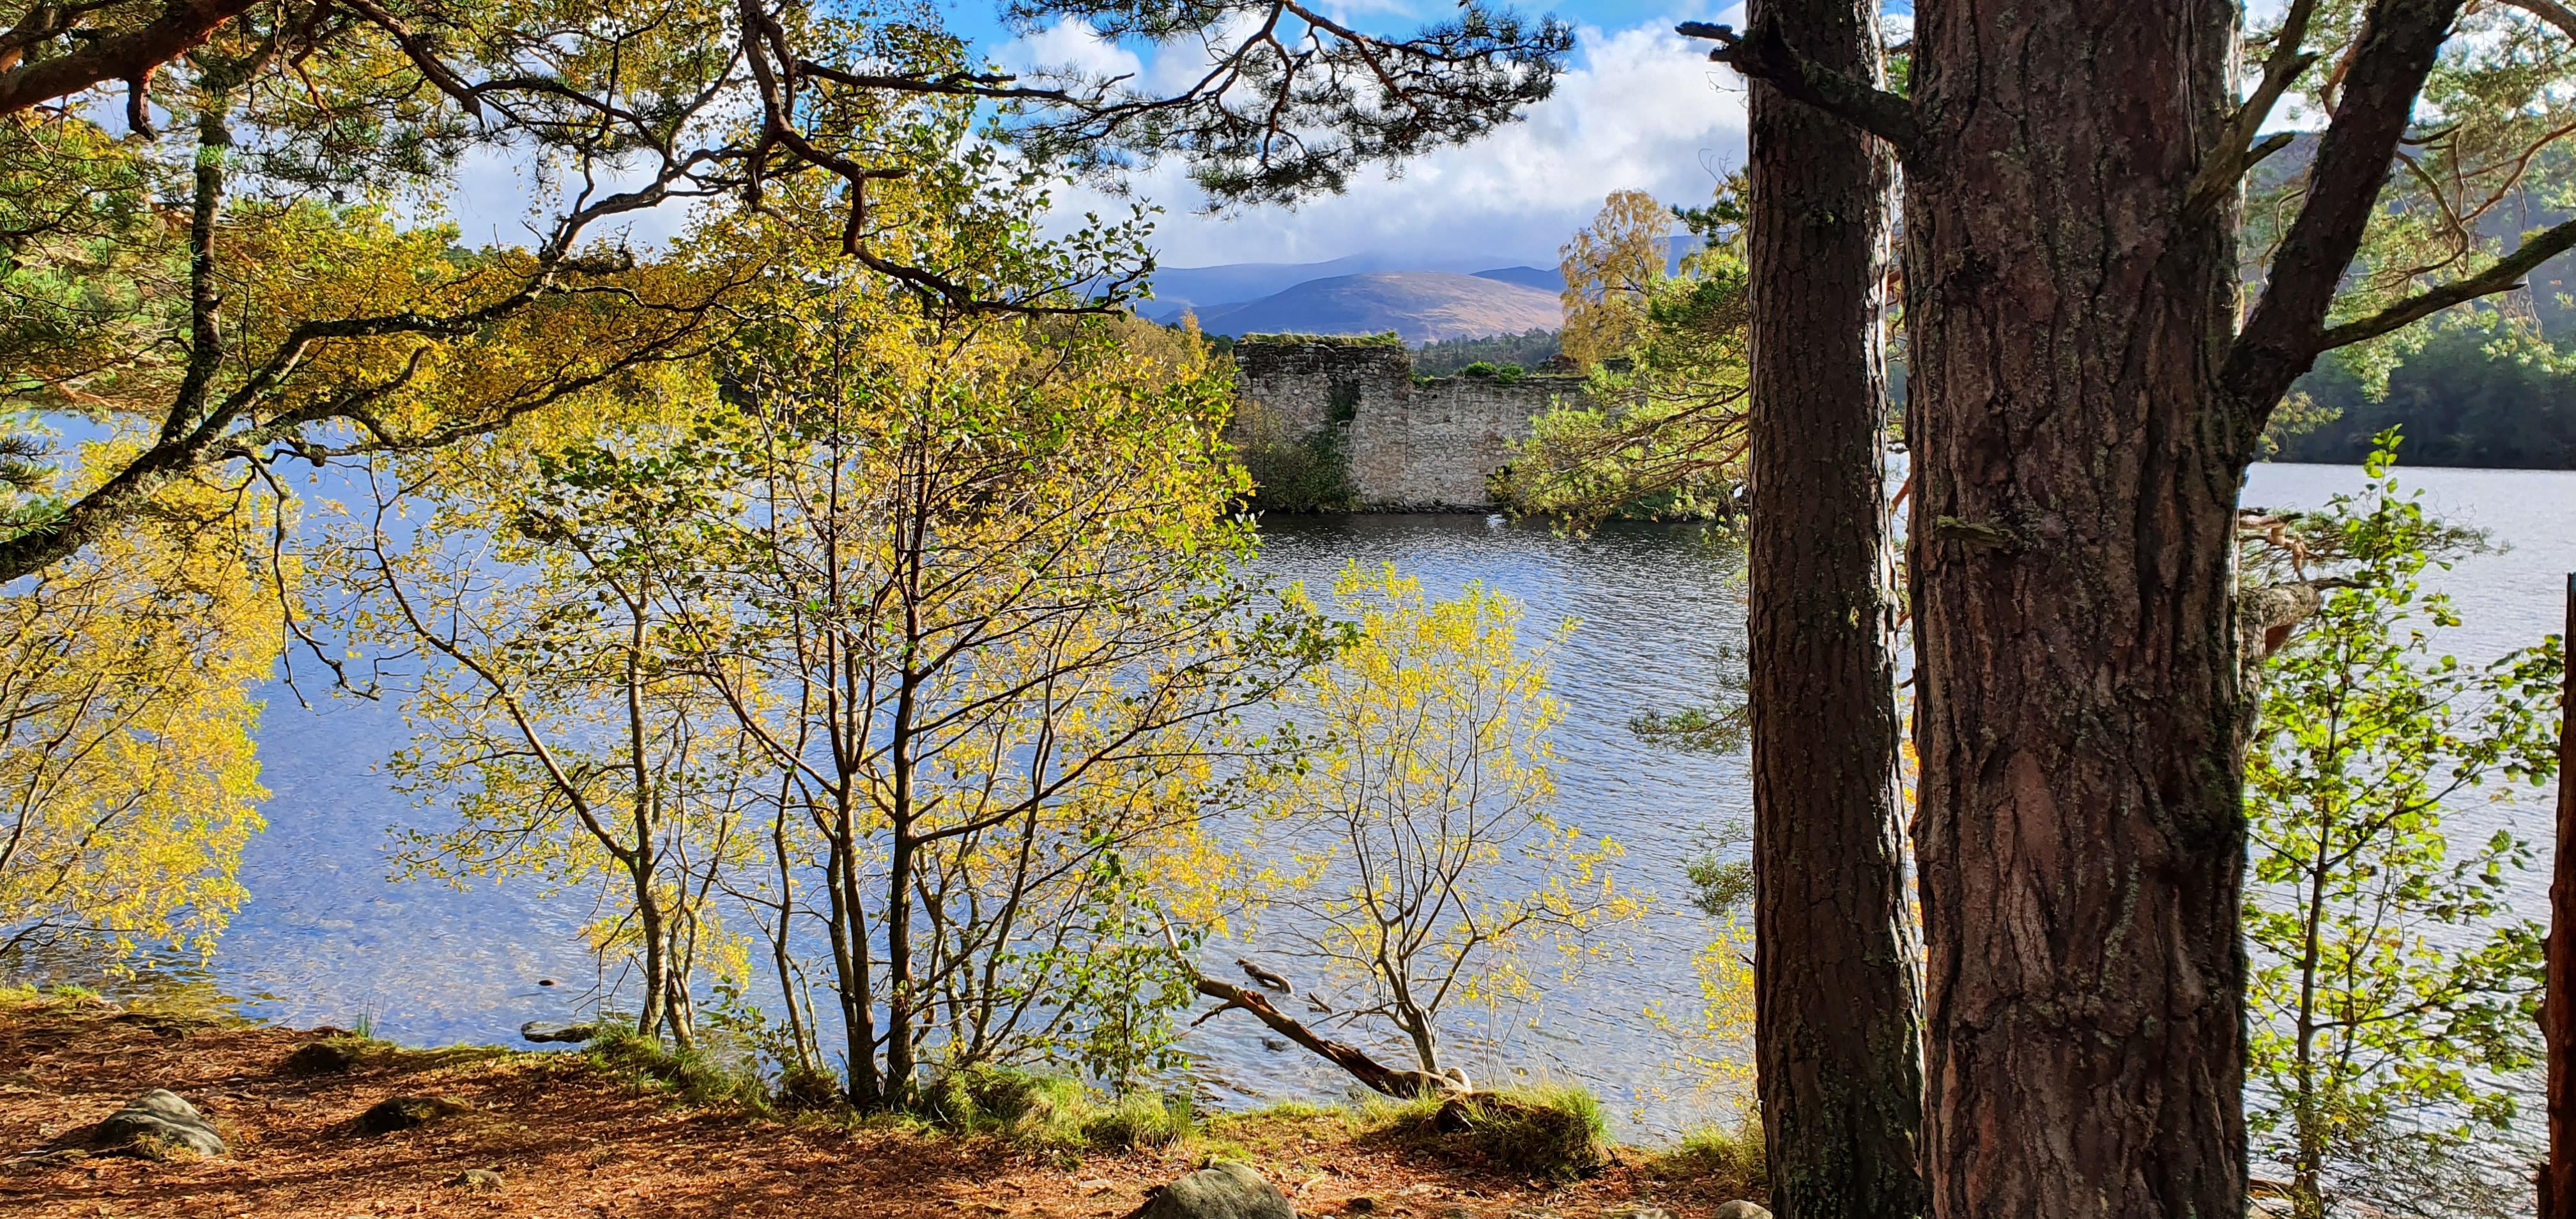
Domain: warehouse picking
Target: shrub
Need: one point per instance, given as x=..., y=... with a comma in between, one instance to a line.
x=801, y=1090
x=1309, y=473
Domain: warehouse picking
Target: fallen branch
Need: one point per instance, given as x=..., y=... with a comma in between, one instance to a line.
x=1378, y=1076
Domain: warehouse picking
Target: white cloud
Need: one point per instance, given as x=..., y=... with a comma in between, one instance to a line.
x=1070, y=44
x=1641, y=107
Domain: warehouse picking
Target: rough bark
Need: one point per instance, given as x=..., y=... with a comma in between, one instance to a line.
x=2082, y=413
x=2080, y=831
x=1837, y=993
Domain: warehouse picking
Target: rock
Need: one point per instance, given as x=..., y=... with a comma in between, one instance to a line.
x=409, y=1112
x=331, y=1056
x=548, y=1030
x=478, y=1180
x=1742, y=1210
x=1222, y=1190
x=157, y=1123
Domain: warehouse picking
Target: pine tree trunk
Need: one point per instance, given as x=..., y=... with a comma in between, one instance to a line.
x=2081, y=832
x=1837, y=992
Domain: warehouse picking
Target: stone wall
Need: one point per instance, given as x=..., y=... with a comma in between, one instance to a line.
x=1413, y=447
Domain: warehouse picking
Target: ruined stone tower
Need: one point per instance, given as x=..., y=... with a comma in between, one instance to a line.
x=1426, y=445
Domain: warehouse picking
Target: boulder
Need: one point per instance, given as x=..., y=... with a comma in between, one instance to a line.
x=156, y=1123
x=1222, y=1190
x=409, y=1112
x=548, y=1030
x=1742, y=1210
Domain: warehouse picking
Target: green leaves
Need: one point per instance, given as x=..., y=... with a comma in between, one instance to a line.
x=2393, y=981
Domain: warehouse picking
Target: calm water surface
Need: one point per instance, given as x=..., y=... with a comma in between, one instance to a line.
x=329, y=936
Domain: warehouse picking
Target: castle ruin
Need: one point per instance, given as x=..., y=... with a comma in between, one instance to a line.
x=1413, y=444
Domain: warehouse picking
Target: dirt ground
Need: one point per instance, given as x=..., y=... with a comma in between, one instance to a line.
x=571, y=1139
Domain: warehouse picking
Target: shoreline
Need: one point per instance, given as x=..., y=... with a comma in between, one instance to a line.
x=569, y=1136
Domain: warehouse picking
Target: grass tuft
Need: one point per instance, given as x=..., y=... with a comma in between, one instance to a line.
x=988, y=1099
x=1728, y=1157
x=1551, y=1132
x=693, y=1076
x=1140, y=1120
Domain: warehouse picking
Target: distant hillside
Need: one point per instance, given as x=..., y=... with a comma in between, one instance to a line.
x=1419, y=305
x=1203, y=288
x=1545, y=280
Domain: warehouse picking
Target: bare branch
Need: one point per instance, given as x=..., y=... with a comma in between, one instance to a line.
x=2238, y=153
x=2395, y=53
x=2550, y=11
x=182, y=26
x=2506, y=275
x=1762, y=54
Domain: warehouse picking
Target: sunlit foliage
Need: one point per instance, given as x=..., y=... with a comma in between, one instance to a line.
x=127, y=771
x=1428, y=867
x=1660, y=433
x=2393, y=979
x=1611, y=267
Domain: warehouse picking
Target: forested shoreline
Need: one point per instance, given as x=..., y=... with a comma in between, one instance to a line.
x=2470, y=396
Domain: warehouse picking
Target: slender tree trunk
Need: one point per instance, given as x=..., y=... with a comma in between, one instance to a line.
x=641, y=865
x=852, y=958
x=648, y=918
x=797, y=1029
x=1837, y=990
x=2558, y=1002
x=901, y=1000
x=2081, y=830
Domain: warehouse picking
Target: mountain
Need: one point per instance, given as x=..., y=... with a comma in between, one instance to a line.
x=1177, y=289
x=1419, y=305
x=1202, y=288
x=1545, y=280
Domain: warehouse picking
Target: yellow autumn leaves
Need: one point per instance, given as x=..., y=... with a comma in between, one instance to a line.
x=128, y=779
x=1427, y=866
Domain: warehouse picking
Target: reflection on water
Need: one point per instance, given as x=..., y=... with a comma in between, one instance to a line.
x=327, y=937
